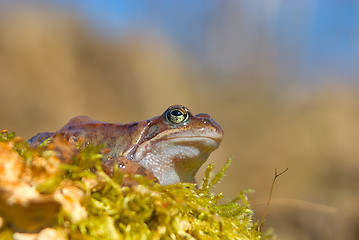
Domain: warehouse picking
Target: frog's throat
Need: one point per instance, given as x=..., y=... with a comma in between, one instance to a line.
x=175, y=159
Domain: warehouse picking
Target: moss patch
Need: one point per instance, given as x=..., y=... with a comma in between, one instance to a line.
x=93, y=205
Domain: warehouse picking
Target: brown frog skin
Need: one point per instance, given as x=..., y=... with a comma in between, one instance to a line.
x=172, y=147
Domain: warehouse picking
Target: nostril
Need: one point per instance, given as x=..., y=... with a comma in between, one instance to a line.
x=203, y=115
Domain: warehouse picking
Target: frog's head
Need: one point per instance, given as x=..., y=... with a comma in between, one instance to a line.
x=176, y=144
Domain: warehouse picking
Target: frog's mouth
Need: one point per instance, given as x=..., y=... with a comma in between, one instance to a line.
x=174, y=147
x=210, y=142
x=195, y=134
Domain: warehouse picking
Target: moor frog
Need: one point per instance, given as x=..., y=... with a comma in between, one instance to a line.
x=171, y=147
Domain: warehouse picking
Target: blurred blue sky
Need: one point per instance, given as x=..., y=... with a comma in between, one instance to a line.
x=307, y=38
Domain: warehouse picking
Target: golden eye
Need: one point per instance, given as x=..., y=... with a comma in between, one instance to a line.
x=177, y=115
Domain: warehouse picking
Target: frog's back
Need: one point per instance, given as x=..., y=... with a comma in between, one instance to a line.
x=78, y=120
x=80, y=125
x=85, y=130
x=81, y=131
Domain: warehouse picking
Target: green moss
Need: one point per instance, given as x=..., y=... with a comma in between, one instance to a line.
x=6, y=137
x=147, y=210
x=6, y=234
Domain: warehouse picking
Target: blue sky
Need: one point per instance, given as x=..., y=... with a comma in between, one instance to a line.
x=326, y=34
x=312, y=35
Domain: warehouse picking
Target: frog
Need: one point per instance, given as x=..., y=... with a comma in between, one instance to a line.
x=169, y=148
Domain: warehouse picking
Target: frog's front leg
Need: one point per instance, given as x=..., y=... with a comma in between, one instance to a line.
x=39, y=138
x=129, y=167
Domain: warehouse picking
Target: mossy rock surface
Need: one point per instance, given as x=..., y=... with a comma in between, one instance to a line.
x=45, y=197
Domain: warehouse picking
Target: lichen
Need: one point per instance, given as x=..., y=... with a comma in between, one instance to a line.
x=94, y=205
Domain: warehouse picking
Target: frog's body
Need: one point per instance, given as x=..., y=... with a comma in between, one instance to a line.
x=172, y=147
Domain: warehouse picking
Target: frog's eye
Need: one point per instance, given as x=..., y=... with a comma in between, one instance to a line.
x=177, y=115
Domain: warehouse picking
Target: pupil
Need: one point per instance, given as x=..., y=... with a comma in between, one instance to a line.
x=176, y=113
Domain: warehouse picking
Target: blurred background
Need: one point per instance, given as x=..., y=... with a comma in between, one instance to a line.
x=280, y=77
